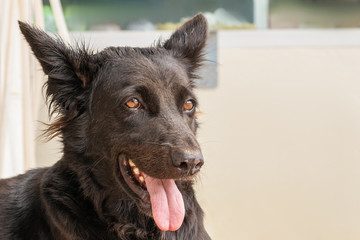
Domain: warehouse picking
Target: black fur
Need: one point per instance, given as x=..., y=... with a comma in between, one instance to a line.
x=84, y=195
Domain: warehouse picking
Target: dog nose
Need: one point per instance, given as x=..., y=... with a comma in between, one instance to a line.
x=187, y=162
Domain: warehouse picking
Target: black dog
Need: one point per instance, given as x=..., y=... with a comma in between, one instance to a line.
x=127, y=121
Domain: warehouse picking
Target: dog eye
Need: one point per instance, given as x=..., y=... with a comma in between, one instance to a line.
x=189, y=105
x=133, y=103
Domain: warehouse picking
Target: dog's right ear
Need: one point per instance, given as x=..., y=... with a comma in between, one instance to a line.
x=56, y=57
x=70, y=72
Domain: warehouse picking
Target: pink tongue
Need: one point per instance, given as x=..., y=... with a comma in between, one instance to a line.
x=166, y=202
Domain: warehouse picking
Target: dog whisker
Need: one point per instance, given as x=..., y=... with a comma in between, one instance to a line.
x=160, y=144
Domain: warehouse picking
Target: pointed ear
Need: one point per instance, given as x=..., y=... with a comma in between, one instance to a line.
x=70, y=72
x=188, y=41
x=55, y=56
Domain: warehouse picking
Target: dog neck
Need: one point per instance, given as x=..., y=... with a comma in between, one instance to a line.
x=73, y=184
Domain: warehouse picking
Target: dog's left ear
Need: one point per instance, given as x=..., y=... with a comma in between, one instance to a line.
x=188, y=42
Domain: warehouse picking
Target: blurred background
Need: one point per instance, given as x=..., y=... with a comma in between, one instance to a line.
x=280, y=96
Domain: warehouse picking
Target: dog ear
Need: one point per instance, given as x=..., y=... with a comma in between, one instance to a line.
x=188, y=42
x=56, y=57
x=69, y=73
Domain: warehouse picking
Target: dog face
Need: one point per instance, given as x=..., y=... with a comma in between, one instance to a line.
x=153, y=119
x=133, y=107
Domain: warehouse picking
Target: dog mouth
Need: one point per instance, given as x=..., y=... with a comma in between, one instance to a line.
x=167, y=204
x=133, y=177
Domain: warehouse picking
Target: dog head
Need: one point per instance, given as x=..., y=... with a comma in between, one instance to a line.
x=132, y=107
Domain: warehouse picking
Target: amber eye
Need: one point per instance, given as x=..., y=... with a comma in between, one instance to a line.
x=189, y=105
x=133, y=103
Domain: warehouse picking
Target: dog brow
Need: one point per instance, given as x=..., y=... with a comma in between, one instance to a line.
x=150, y=98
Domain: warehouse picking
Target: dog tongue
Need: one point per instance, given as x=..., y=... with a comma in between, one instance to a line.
x=166, y=202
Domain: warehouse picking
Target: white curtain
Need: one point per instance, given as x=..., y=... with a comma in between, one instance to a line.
x=21, y=82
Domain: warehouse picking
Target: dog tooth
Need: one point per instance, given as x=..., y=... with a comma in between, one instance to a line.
x=141, y=179
x=136, y=171
x=131, y=163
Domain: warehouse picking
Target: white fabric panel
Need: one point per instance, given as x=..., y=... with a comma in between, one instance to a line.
x=17, y=118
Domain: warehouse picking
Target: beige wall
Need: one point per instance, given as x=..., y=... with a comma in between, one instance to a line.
x=281, y=137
